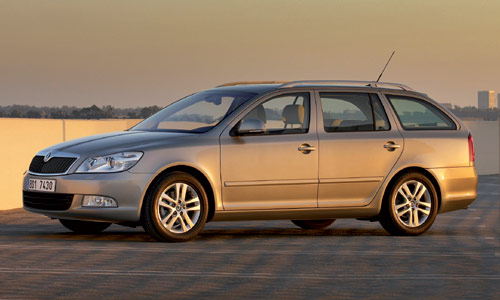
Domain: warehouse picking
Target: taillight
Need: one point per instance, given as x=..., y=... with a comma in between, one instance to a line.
x=472, y=155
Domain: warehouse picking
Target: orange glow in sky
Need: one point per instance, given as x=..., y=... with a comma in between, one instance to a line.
x=137, y=53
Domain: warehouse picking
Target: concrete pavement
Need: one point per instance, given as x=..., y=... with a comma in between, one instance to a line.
x=457, y=258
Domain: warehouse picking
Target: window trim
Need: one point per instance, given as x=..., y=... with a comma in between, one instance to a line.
x=383, y=110
x=370, y=98
x=388, y=97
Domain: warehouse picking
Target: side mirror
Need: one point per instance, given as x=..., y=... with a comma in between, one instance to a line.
x=249, y=127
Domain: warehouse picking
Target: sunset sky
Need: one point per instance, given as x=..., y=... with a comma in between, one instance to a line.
x=139, y=53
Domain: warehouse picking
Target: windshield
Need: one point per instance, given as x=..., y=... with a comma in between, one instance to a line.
x=196, y=113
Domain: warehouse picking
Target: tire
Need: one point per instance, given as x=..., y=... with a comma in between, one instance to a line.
x=84, y=227
x=168, y=216
x=313, y=224
x=410, y=207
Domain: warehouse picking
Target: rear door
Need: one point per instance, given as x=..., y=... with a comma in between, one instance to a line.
x=358, y=147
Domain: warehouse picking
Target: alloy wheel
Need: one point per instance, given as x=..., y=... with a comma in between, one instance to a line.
x=412, y=203
x=178, y=207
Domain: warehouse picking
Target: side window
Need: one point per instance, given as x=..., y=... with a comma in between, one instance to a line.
x=416, y=114
x=343, y=112
x=283, y=114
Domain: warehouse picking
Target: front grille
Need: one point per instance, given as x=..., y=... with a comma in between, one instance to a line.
x=55, y=165
x=47, y=201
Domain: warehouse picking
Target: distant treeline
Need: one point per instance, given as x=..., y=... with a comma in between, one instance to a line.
x=110, y=112
x=73, y=112
x=490, y=114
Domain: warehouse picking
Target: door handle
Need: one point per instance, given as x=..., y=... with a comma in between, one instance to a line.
x=306, y=148
x=391, y=146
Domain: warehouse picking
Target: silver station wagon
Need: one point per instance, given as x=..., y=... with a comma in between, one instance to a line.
x=306, y=151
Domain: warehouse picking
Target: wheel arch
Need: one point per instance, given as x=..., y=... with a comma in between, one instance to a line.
x=403, y=171
x=199, y=175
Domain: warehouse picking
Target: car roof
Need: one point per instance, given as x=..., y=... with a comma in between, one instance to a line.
x=262, y=87
x=252, y=88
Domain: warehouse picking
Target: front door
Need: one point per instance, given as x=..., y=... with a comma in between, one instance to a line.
x=277, y=168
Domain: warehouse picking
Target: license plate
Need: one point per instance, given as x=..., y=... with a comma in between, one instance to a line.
x=42, y=185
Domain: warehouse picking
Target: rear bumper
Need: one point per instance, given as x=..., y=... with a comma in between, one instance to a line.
x=458, y=187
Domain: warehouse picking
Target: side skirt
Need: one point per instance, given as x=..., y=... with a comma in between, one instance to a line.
x=297, y=214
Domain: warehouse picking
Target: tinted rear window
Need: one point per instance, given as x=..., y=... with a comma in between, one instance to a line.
x=417, y=114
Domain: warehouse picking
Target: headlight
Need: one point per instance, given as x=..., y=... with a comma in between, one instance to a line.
x=110, y=163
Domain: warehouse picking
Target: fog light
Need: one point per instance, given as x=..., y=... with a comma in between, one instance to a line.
x=98, y=201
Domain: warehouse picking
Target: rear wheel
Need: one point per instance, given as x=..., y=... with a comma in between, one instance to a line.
x=84, y=227
x=177, y=208
x=313, y=224
x=411, y=206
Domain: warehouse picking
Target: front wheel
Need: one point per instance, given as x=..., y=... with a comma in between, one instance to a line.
x=411, y=206
x=313, y=224
x=177, y=208
x=84, y=227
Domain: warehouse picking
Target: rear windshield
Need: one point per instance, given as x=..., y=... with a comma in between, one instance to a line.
x=197, y=113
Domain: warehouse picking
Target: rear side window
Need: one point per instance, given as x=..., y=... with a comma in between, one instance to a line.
x=344, y=112
x=416, y=114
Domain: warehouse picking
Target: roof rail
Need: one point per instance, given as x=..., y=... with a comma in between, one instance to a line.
x=346, y=83
x=250, y=82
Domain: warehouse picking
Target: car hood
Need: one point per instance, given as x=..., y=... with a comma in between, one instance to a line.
x=110, y=143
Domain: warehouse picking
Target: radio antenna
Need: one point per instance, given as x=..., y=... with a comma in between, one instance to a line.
x=379, y=76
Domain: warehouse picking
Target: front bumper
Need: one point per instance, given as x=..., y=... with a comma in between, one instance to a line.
x=126, y=188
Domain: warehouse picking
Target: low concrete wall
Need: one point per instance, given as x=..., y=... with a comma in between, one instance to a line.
x=23, y=138
x=486, y=144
